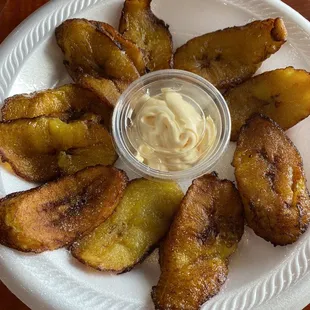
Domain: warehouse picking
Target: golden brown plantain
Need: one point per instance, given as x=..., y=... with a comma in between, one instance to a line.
x=90, y=50
x=31, y=146
x=283, y=95
x=57, y=213
x=139, y=222
x=194, y=256
x=132, y=50
x=66, y=101
x=121, y=85
x=230, y=56
x=271, y=182
x=74, y=160
x=105, y=89
x=151, y=34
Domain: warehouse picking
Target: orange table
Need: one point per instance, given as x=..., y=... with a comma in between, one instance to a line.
x=12, y=12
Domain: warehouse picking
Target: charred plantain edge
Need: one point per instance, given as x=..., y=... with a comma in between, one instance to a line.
x=218, y=289
x=34, y=251
x=214, y=174
x=14, y=247
x=18, y=173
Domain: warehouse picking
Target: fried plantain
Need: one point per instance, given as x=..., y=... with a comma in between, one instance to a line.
x=151, y=34
x=74, y=160
x=139, y=222
x=57, y=213
x=282, y=94
x=105, y=89
x=194, y=256
x=121, y=85
x=31, y=146
x=64, y=101
x=230, y=56
x=90, y=50
x=132, y=50
x=271, y=182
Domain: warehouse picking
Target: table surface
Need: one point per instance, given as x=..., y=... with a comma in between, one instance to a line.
x=12, y=12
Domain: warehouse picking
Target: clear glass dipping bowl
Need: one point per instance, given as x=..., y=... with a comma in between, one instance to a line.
x=189, y=85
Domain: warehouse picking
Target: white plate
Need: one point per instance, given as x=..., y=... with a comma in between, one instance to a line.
x=261, y=276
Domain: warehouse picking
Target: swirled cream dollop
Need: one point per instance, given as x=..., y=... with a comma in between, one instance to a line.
x=169, y=133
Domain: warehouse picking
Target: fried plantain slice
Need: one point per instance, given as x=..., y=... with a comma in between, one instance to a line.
x=271, y=181
x=62, y=101
x=57, y=213
x=121, y=85
x=139, y=222
x=194, y=256
x=230, y=56
x=132, y=50
x=151, y=34
x=105, y=89
x=31, y=146
x=282, y=94
x=90, y=50
x=74, y=160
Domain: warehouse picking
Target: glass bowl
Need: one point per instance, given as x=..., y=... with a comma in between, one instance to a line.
x=191, y=86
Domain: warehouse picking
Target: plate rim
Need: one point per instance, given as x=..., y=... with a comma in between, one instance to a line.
x=47, y=17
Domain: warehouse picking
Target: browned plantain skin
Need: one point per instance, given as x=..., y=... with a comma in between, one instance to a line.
x=66, y=101
x=151, y=34
x=105, y=89
x=271, y=181
x=57, y=213
x=31, y=146
x=132, y=50
x=282, y=94
x=230, y=56
x=194, y=256
x=90, y=48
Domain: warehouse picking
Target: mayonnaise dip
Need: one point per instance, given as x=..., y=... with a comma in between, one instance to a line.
x=169, y=133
